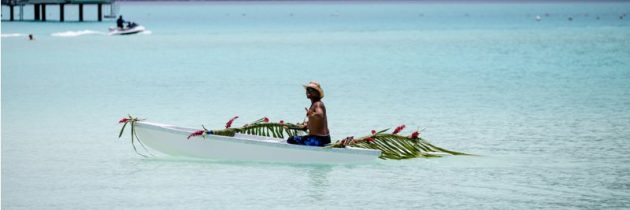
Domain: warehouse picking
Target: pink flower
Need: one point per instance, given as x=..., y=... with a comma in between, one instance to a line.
x=123, y=120
x=196, y=133
x=266, y=119
x=399, y=129
x=229, y=123
x=415, y=135
x=281, y=121
x=373, y=132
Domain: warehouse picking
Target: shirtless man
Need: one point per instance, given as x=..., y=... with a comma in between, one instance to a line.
x=317, y=125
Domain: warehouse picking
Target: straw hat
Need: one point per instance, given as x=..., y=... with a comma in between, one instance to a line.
x=315, y=86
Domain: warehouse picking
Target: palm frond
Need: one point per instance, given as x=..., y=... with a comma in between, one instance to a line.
x=394, y=146
x=261, y=128
x=134, y=137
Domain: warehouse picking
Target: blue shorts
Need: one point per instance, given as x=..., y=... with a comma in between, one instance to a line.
x=319, y=141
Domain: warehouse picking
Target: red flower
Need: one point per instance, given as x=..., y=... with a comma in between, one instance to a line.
x=229, y=123
x=415, y=135
x=123, y=120
x=281, y=121
x=373, y=132
x=196, y=133
x=266, y=119
x=399, y=129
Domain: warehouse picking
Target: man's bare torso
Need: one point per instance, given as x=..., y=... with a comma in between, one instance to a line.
x=317, y=120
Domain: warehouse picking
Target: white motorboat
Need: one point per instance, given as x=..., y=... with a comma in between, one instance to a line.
x=173, y=140
x=132, y=28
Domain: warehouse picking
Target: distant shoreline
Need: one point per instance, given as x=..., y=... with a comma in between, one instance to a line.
x=350, y=2
x=410, y=1
x=381, y=1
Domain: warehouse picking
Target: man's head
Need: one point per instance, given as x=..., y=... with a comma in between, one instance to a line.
x=314, y=90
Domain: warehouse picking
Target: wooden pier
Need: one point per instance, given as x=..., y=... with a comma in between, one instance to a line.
x=39, y=8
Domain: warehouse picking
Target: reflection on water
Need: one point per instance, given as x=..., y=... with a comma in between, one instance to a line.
x=318, y=181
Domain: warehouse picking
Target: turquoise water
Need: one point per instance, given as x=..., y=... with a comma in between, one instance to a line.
x=545, y=103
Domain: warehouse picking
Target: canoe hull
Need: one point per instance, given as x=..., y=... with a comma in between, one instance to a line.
x=171, y=140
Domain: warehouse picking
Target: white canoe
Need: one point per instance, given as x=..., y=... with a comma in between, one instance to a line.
x=126, y=31
x=172, y=140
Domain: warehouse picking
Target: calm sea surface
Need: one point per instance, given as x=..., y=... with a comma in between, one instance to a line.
x=545, y=103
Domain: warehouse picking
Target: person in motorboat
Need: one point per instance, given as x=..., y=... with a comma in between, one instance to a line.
x=120, y=23
x=131, y=25
x=317, y=124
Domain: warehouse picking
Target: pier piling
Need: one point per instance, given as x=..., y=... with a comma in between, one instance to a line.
x=81, y=12
x=43, y=12
x=61, y=12
x=100, y=12
x=36, y=11
x=11, y=12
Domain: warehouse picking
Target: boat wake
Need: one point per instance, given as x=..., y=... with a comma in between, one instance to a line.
x=76, y=33
x=13, y=35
